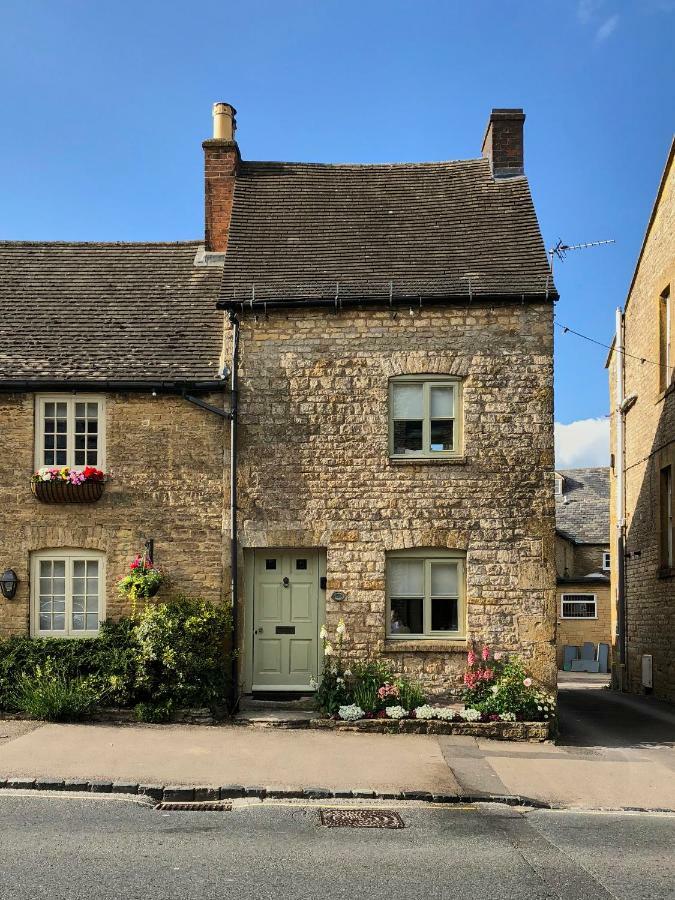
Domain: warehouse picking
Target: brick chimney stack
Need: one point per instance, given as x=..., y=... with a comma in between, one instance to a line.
x=221, y=159
x=503, y=142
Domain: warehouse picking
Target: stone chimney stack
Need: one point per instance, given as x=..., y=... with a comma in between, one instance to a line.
x=503, y=142
x=221, y=159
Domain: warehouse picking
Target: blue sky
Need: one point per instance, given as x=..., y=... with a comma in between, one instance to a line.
x=105, y=106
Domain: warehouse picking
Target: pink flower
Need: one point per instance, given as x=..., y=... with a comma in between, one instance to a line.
x=471, y=657
x=485, y=654
x=498, y=655
x=527, y=682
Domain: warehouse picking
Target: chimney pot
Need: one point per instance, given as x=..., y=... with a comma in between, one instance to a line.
x=224, y=122
x=503, y=142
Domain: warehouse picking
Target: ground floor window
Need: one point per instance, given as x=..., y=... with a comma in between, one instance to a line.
x=425, y=594
x=579, y=606
x=67, y=593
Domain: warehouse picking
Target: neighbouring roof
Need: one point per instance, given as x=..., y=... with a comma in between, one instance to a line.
x=582, y=511
x=305, y=231
x=102, y=311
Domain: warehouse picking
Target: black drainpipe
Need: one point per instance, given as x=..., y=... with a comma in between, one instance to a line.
x=234, y=548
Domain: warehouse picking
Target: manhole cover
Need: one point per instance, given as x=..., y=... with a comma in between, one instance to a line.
x=205, y=806
x=361, y=818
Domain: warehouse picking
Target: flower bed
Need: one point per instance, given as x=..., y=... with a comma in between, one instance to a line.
x=65, y=485
x=500, y=699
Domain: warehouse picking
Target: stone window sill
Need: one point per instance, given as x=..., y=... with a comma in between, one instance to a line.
x=454, y=645
x=428, y=460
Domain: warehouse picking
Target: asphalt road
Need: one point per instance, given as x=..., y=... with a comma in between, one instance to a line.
x=67, y=847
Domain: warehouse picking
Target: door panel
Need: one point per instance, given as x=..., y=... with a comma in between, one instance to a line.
x=285, y=619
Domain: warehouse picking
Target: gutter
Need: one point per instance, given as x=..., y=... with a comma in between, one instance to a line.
x=336, y=303
x=32, y=385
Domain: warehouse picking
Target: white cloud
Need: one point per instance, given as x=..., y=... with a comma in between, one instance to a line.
x=582, y=443
x=608, y=27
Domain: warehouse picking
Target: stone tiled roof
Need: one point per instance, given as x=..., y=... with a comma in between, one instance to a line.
x=300, y=229
x=83, y=311
x=582, y=512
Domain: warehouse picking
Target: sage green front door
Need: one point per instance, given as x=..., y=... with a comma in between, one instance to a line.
x=285, y=619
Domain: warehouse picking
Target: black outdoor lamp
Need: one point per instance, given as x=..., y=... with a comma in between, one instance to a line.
x=8, y=583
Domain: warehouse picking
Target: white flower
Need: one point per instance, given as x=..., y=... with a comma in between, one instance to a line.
x=425, y=712
x=328, y=650
x=323, y=634
x=494, y=688
x=340, y=680
x=470, y=715
x=348, y=673
x=445, y=713
x=350, y=713
x=508, y=717
x=396, y=712
x=341, y=628
x=313, y=683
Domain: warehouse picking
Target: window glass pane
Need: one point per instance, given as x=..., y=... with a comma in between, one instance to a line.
x=61, y=458
x=61, y=410
x=270, y=564
x=301, y=564
x=408, y=401
x=444, y=614
x=407, y=436
x=45, y=622
x=442, y=403
x=92, y=621
x=78, y=621
x=78, y=568
x=406, y=576
x=442, y=434
x=406, y=616
x=59, y=622
x=78, y=603
x=443, y=579
x=59, y=568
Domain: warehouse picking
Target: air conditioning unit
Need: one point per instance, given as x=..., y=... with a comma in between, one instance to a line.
x=647, y=680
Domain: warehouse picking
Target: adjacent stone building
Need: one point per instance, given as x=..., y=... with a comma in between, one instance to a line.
x=642, y=397
x=582, y=558
x=385, y=337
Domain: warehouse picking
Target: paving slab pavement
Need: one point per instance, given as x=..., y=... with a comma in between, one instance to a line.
x=197, y=754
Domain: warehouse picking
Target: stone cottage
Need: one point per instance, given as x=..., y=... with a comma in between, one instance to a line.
x=379, y=338
x=582, y=558
x=642, y=402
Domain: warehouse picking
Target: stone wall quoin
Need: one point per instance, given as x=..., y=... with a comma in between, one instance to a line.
x=315, y=465
x=165, y=458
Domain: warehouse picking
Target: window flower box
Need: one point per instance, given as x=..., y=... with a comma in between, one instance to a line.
x=66, y=485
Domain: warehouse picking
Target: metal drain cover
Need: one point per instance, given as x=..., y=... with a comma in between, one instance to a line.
x=205, y=806
x=361, y=818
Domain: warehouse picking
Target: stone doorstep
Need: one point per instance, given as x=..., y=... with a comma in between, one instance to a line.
x=535, y=732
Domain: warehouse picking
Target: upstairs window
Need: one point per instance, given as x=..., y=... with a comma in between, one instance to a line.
x=665, y=339
x=70, y=431
x=425, y=594
x=559, y=485
x=67, y=593
x=425, y=416
x=606, y=560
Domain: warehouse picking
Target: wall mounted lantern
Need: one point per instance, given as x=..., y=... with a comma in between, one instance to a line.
x=8, y=583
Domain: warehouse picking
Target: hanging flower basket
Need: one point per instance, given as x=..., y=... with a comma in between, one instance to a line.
x=64, y=485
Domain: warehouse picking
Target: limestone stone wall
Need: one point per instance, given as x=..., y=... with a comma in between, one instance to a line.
x=650, y=446
x=165, y=458
x=315, y=470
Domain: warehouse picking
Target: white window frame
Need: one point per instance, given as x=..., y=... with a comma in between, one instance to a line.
x=558, y=485
x=606, y=560
x=69, y=556
x=70, y=400
x=429, y=557
x=588, y=598
x=428, y=382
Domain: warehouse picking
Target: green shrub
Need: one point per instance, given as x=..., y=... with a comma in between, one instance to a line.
x=47, y=694
x=156, y=713
x=364, y=694
x=108, y=660
x=410, y=695
x=183, y=653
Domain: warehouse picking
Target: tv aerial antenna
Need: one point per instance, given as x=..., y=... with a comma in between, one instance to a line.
x=561, y=249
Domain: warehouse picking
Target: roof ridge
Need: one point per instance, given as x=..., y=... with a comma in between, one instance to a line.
x=39, y=243
x=369, y=165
